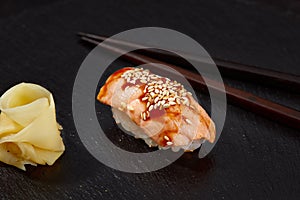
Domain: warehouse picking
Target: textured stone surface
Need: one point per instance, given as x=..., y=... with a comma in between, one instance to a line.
x=254, y=159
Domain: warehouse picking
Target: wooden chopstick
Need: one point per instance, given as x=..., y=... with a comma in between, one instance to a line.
x=238, y=97
x=227, y=68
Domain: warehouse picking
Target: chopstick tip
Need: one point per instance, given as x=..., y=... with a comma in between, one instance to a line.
x=80, y=34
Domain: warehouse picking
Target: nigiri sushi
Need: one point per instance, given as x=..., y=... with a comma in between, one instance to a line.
x=159, y=110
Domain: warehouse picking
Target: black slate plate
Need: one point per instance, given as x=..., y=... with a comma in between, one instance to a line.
x=254, y=159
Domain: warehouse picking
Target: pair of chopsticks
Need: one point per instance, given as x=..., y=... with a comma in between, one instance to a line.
x=235, y=96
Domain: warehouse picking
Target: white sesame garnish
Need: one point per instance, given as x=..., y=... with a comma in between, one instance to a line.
x=166, y=137
x=159, y=103
x=188, y=121
x=129, y=107
x=152, y=94
x=160, y=107
x=151, y=107
x=159, y=93
x=169, y=143
x=166, y=105
x=156, y=99
x=172, y=103
x=144, y=98
x=123, y=105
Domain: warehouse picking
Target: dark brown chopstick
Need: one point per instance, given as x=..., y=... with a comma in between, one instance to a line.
x=238, y=97
x=227, y=68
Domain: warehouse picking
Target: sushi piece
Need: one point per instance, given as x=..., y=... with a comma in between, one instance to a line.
x=159, y=110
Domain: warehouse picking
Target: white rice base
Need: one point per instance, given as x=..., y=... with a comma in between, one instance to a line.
x=124, y=120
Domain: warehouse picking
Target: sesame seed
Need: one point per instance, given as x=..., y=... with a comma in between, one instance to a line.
x=166, y=105
x=184, y=98
x=172, y=91
x=123, y=104
x=172, y=103
x=159, y=92
x=185, y=101
x=152, y=94
x=159, y=103
x=151, y=107
x=144, y=98
x=169, y=143
x=188, y=121
x=166, y=137
x=129, y=107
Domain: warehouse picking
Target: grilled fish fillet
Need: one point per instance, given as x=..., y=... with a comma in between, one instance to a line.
x=162, y=108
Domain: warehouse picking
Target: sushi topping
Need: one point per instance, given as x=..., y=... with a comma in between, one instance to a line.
x=188, y=121
x=166, y=138
x=159, y=92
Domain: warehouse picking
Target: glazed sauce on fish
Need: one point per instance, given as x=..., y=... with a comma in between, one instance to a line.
x=168, y=116
x=113, y=77
x=155, y=113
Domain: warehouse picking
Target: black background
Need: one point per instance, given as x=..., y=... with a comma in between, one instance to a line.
x=254, y=159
